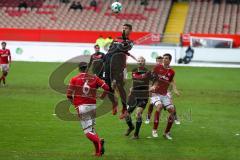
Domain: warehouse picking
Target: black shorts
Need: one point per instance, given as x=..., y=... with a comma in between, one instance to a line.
x=134, y=102
x=114, y=75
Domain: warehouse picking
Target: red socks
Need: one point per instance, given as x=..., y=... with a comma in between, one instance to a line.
x=156, y=120
x=96, y=141
x=169, y=124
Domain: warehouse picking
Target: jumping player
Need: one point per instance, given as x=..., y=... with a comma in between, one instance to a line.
x=96, y=61
x=164, y=76
x=115, y=62
x=138, y=96
x=82, y=93
x=5, y=61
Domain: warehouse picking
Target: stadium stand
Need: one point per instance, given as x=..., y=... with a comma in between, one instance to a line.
x=52, y=14
x=207, y=17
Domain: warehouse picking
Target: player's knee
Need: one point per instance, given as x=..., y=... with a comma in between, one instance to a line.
x=170, y=108
x=89, y=129
x=159, y=107
x=130, y=109
x=5, y=73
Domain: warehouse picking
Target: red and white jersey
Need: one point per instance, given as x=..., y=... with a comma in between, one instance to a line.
x=83, y=87
x=4, y=54
x=164, y=77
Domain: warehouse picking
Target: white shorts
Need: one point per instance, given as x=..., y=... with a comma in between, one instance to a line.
x=165, y=100
x=169, y=94
x=5, y=67
x=87, y=114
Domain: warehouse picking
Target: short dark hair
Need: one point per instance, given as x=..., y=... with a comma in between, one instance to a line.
x=96, y=46
x=128, y=25
x=82, y=66
x=3, y=43
x=159, y=57
x=169, y=56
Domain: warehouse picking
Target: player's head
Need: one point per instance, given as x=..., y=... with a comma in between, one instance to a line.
x=141, y=61
x=3, y=45
x=82, y=66
x=159, y=60
x=97, y=48
x=127, y=28
x=167, y=58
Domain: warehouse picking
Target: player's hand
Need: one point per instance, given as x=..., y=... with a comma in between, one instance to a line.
x=102, y=96
x=177, y=93
x=152, y=89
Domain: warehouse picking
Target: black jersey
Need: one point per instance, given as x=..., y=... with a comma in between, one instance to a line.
x=97, y=62
x=140, y=81
x=116, y=55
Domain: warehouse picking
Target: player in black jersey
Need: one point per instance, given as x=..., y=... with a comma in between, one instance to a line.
x=138, y=96
x=96, y=61
x=115, y=62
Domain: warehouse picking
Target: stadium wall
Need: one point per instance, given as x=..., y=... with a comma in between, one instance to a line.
x=60, y=35
x=61, y=52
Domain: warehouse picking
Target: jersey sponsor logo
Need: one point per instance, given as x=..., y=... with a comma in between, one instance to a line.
x=164, y=77
x=4, y=55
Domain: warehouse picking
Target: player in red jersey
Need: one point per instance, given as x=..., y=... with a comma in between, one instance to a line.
x=173, y=87
x=164, y=76
x=82, y=93
x=5, y=60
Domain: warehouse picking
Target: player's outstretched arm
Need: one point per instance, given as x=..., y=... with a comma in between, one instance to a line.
x=104, y=86
x=132, y=56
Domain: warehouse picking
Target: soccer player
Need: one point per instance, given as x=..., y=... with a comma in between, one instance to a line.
x=159, y=60
x=96, y=61
x=115, y=62
x=82, y=93
x=5, y=61
x=138, y=96
x=164, y=76
x=173, y=87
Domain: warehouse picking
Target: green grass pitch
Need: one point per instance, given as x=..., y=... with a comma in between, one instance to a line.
x=209, y=108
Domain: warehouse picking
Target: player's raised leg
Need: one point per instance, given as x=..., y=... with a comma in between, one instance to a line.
x=122, y=92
